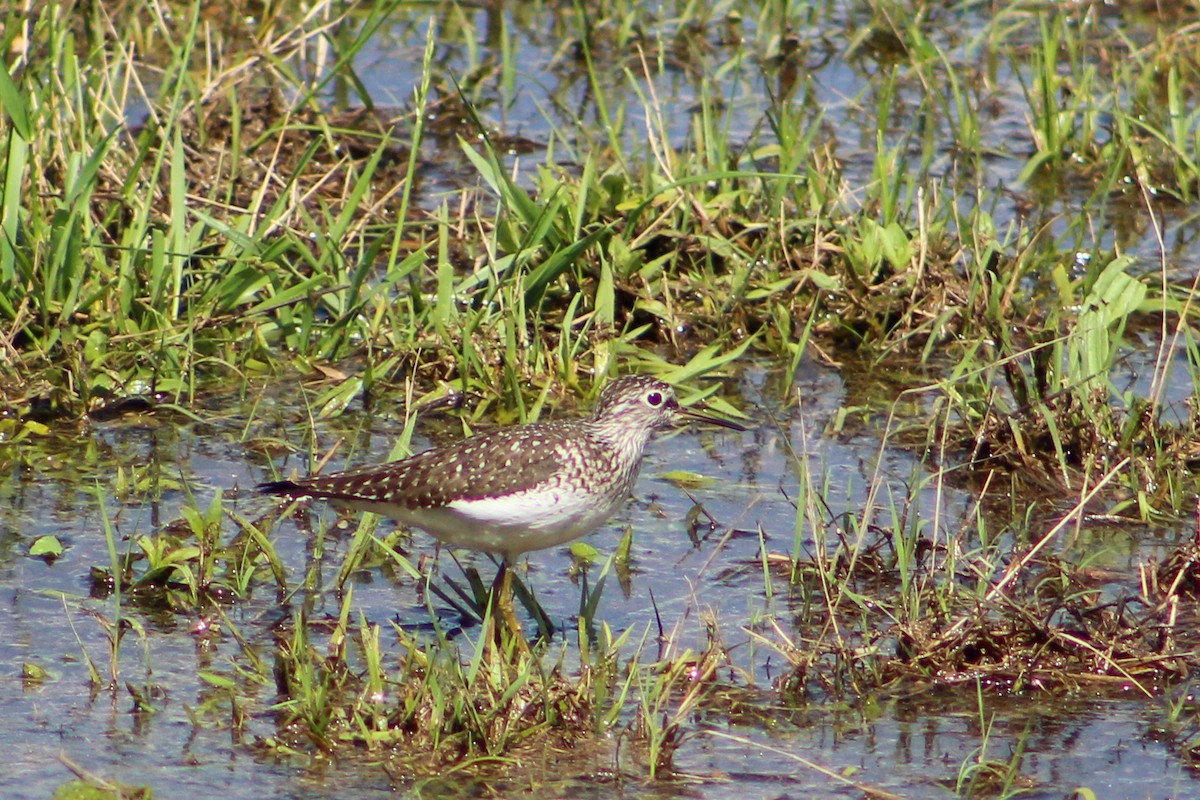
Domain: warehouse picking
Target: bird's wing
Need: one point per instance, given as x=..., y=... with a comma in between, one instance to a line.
x=505, y=461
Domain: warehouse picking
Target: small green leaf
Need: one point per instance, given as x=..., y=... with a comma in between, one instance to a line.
x=216, y=679
x=625, y=546
x=82, y=790
x=32, y=674
x=46, y=547
x=13, y=101
x=584, y=551
x=36, y=428
x=686, y=479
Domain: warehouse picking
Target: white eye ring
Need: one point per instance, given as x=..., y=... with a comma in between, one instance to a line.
x=655, y=399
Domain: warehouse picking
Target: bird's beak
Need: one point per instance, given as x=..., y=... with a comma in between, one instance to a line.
x=691, y=415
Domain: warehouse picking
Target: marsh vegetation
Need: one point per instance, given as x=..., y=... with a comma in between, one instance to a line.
x=941, y=255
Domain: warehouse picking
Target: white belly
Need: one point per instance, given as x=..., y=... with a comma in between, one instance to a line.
x=512, y=524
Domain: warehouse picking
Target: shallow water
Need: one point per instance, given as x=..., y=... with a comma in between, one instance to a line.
x=911, y=745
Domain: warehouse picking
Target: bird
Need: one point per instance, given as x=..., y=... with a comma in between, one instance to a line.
x=521, y=488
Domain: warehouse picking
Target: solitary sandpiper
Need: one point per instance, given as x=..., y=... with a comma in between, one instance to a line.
x=521, y=488
x=516, y=489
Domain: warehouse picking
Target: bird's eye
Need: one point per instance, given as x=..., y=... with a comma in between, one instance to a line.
x=654, y=398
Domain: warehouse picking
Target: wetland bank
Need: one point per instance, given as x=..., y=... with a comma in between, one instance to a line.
x=939, y=255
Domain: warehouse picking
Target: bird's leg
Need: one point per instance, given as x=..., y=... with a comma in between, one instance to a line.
x=502, y=601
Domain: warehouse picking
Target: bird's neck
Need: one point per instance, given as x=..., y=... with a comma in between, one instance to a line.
x=624, y=442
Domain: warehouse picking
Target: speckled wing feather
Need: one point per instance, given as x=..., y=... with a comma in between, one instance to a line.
x=501, y=462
